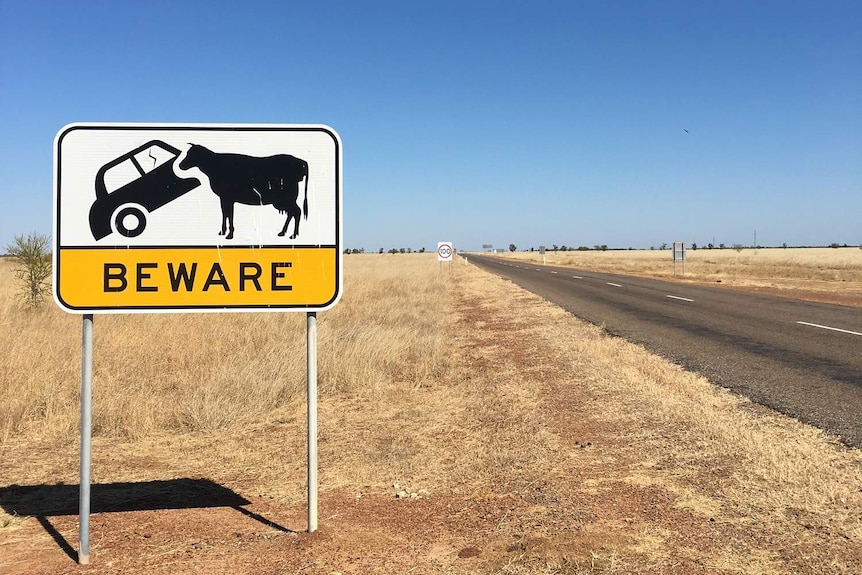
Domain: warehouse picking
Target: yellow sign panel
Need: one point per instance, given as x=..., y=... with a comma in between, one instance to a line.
x=190, y=278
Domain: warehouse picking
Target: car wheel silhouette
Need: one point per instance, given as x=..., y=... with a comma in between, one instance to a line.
x=130, y=220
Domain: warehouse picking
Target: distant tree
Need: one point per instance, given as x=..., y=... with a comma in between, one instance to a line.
x=33, y=266
x=738, y=247
x=421, y=250
x=710, y=246
x=583, y=249
x=663, y=246
x=604, y=247
x=555, y=247
x=693, y=245
x=834, y=246
x=721, y=246
x=512, y=247
x=563, y=248
x=402, y=250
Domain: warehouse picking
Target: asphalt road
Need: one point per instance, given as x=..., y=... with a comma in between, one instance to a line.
x=801, y=358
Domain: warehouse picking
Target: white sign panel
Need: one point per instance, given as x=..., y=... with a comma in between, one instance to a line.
x=199, y=217
x=445, y=252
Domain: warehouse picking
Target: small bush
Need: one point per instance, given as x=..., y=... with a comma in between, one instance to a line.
x=33, y=269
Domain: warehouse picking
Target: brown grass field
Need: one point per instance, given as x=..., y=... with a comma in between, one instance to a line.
x=820, y=274
x=466, y=426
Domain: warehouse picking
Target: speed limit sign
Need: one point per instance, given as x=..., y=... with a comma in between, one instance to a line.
x=444, y=252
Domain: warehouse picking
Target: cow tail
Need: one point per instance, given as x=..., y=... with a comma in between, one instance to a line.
x=305, y=198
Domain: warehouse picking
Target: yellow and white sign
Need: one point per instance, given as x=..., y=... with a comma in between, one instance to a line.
x=204, y=217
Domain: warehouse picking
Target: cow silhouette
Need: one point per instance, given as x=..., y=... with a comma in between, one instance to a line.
x=252, y=181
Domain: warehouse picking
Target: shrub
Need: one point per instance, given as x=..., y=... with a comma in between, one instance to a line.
x=33, y=270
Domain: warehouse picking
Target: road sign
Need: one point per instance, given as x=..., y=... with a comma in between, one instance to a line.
x=445, y=252
x=199, y=217
x=678, y=255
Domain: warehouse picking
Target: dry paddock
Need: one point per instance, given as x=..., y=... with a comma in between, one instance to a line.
x=467, y=426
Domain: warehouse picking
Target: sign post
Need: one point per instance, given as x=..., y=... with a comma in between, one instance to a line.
x=311, y=337
x=86, y=439
x=137, y=210
x=678, y=256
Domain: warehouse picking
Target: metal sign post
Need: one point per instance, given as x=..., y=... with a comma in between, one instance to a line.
x=311, y=337
x=135, y=210
x=86, y=437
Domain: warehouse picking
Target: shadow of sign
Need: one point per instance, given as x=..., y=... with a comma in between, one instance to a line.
x=44, y=501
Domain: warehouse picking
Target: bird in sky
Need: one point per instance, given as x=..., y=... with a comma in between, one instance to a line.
x=684, y=130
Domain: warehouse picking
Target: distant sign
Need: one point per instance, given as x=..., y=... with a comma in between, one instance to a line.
x=201, y=217
x=445, y=252
x=678, y=251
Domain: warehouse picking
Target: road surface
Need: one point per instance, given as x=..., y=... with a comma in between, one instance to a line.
x=803, y=359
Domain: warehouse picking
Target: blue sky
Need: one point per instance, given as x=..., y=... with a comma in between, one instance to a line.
x=479, y=122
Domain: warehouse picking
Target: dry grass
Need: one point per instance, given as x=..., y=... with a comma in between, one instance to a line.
x=547, y=445
x=815, y=269
x=187, y=372
x=717, y=455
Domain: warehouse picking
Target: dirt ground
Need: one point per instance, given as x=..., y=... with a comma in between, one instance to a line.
x=604, y=502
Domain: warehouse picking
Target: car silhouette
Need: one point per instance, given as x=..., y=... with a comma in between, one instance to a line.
x=133, y=185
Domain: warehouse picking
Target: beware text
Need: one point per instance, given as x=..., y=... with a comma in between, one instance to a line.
x=149, y=277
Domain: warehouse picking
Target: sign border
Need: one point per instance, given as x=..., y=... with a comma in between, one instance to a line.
x=210, y=127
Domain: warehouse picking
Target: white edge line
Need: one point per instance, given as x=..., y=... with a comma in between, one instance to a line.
x=578, y=277
x=613, y=284
x=678, y=297
x=829, y=328
x=553, y=272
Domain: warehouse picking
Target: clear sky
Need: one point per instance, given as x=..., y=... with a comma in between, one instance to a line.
x=626, y=123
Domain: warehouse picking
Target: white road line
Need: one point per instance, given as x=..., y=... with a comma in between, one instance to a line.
x=578, y=277
x=829, y=328
x=553, y=272
x=677, y=297
x=613, y=284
